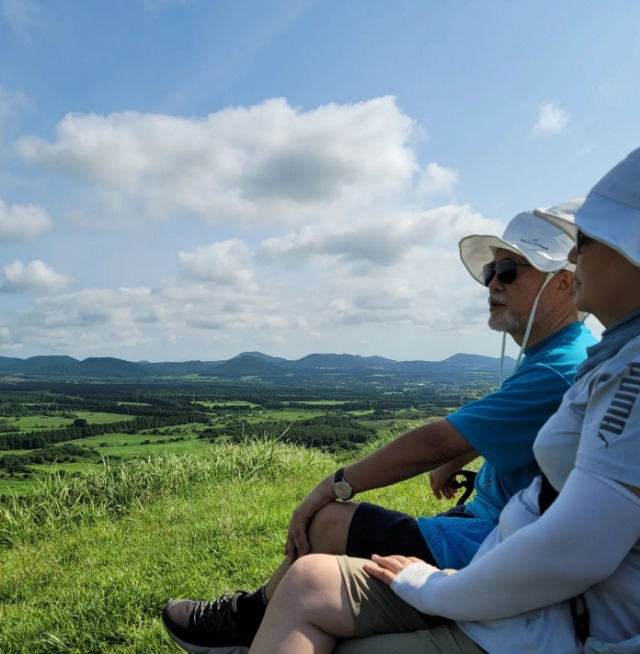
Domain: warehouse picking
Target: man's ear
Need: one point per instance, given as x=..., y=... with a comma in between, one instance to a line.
x=564, y=281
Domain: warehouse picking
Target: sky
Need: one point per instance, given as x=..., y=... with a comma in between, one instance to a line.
x=193, y=179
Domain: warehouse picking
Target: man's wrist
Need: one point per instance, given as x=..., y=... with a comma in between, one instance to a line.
x=342, y=489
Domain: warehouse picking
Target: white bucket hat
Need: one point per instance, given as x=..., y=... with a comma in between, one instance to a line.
x=543, y=245
x=610, y=213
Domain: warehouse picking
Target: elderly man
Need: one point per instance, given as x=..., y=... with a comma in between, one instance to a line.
x=530, y=284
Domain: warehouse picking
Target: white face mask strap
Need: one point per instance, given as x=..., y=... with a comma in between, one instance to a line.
x=531, y=317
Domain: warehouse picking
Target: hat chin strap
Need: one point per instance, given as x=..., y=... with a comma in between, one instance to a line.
x=531, y=317
x=527, y=332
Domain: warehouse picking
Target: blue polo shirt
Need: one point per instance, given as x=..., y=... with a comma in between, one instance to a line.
x=502, y=427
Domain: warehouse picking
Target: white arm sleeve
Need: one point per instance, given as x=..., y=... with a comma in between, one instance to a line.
x=563, y=553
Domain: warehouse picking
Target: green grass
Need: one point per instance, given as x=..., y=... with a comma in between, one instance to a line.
x=111, y=442
x=282, y=415
x=128, y=446
x=125, y=446
x=87, y=563
x=34, y=423
x=226, y=403
x=133, y=449
x=320, y=402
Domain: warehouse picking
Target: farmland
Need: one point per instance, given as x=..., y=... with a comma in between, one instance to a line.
x=52, y=429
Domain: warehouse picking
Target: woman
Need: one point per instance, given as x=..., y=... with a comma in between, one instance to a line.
x=533, y=571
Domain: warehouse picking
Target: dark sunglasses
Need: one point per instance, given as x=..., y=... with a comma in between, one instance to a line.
x=506, y=270
x=581, y=240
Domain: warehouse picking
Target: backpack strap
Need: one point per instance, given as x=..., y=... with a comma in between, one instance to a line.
x=547, y=494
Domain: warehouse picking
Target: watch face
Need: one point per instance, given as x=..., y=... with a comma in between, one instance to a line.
x=343, y=490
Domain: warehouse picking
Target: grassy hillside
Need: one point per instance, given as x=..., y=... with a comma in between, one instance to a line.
x=87, y=563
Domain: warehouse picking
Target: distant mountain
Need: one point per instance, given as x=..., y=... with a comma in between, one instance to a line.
x=53, y=365
x=246, y=366
x=261, y=366
x=339, y=362
x=459, y=362
x=474, y=360
x=109, y=367
x=259, y=355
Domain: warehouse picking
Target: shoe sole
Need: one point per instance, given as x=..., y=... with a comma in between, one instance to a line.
x=201, y=649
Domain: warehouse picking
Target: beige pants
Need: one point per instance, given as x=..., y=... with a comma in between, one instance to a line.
x=385, y=624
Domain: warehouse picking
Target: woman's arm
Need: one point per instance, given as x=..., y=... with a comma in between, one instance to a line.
x=579, y=541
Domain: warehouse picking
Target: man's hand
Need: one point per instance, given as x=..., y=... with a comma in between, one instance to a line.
x=297, y=542
x=438, y=479
x=386, y=568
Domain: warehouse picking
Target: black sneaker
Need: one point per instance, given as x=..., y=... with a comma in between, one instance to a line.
x=207, y=627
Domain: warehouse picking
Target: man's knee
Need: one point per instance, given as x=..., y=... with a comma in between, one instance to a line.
x=329, y=528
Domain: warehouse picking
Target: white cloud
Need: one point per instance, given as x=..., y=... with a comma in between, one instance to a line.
x=383, y=242
x=35, y=277
x=551, y=119
x=336, y=193
x=426, y=289
x=6, y=340
x=227, y=262
x=265, y=164
x=437, y=180
x=22, y=223
x=95, y=319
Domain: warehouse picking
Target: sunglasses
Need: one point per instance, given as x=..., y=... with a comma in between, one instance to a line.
x=506, y=270
x=581, y=240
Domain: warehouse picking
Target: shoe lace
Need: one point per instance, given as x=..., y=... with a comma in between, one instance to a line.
x=214, y=614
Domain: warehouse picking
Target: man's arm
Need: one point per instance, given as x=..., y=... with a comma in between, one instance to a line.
x=414, y=452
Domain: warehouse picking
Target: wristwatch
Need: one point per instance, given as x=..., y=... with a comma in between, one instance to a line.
x=342, y=489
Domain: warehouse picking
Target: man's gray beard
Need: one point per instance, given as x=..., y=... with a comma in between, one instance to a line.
x=507, y=322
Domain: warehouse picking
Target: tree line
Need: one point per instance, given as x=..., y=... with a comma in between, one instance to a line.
x=82, y=429
x=329, y=432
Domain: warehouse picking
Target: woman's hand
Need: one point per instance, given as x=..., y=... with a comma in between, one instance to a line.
x=386, y=568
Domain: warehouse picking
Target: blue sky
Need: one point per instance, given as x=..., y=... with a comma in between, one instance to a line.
x=190, y=179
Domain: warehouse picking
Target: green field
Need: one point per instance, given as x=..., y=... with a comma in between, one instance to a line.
x=229, y=403
x=178, y=439
x=187, y=503
x=68, y=425
x=323, y=402
x=32, y=423
x=87, y=564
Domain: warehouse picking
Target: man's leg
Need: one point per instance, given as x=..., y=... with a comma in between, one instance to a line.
x=328, y=533
x=228, y=620
x=356, y=529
